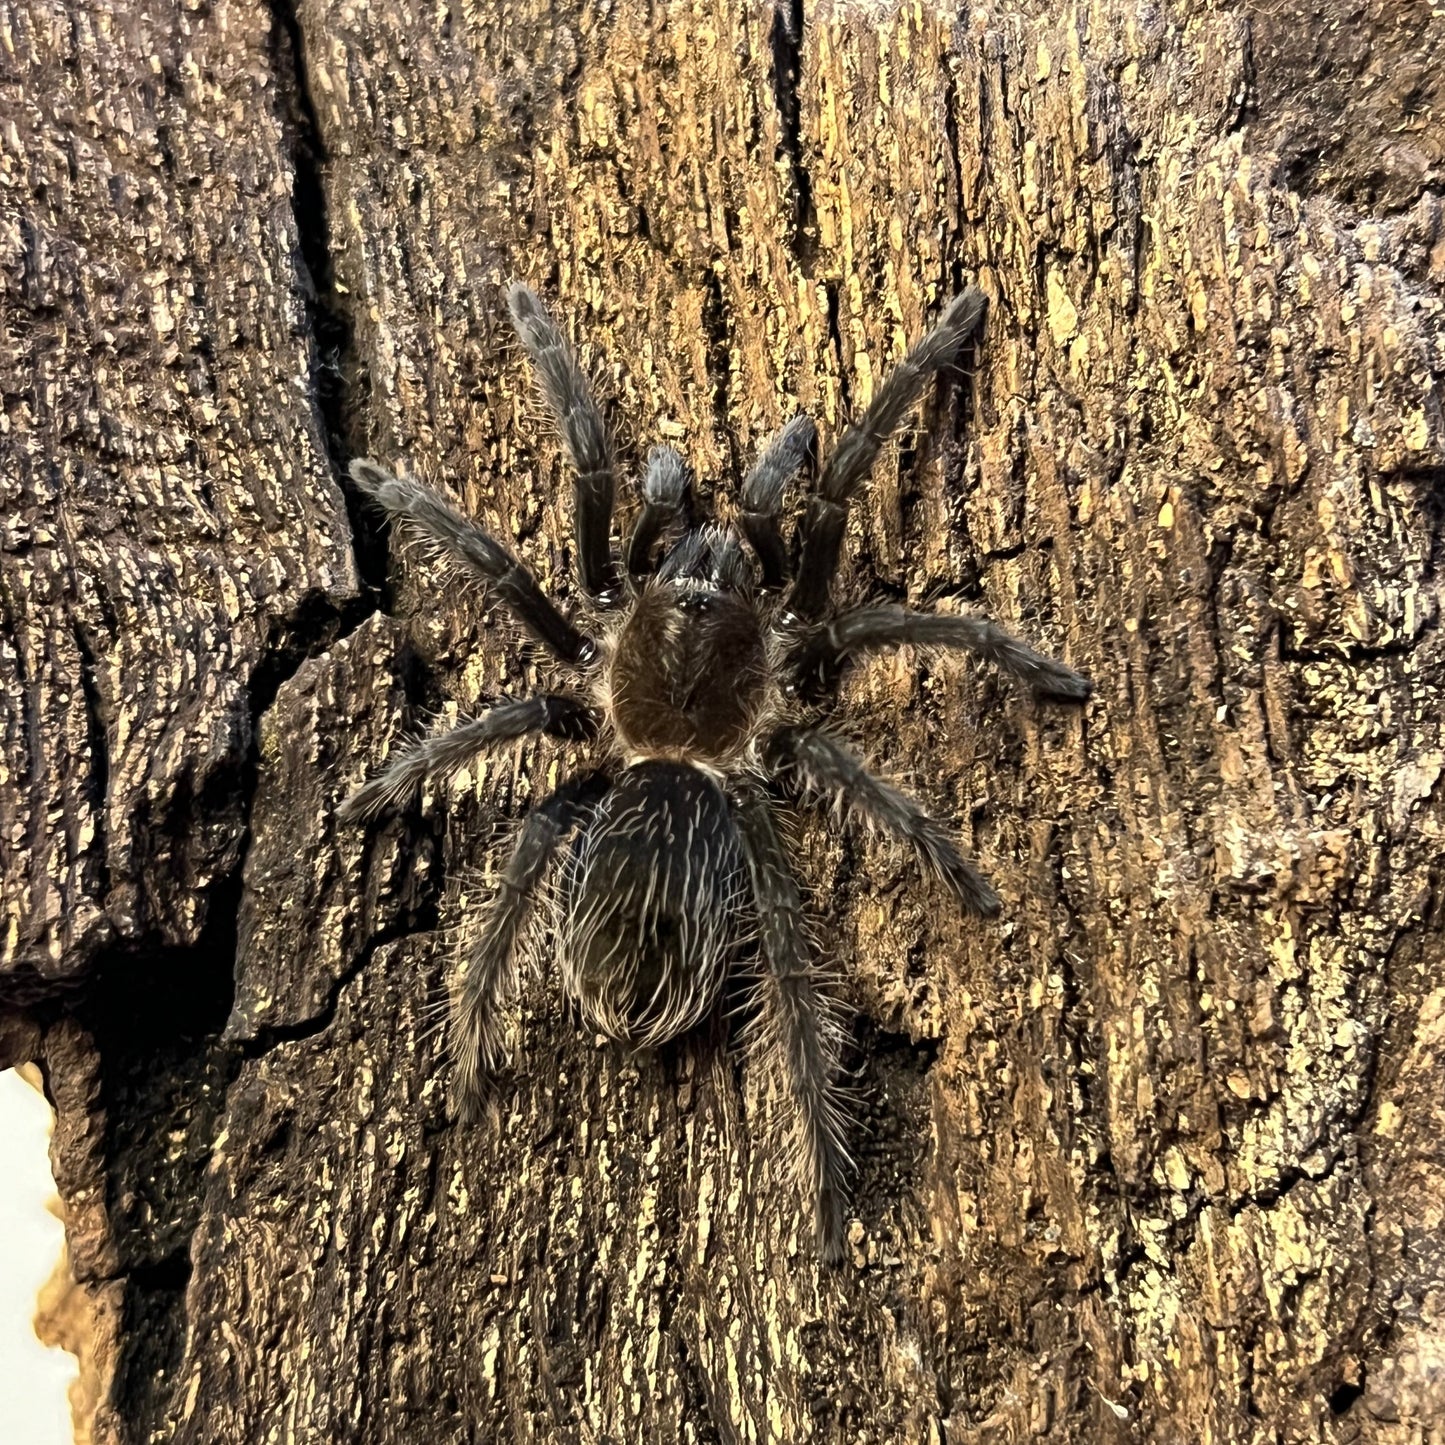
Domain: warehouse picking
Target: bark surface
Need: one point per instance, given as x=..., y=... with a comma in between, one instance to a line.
x=1157, y=1155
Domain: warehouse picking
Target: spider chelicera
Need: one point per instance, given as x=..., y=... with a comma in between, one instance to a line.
x=704, y=678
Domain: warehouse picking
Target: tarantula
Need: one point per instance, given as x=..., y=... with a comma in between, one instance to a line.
x=707, y=678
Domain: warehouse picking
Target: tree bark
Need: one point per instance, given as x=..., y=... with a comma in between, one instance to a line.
x=1156, y=1156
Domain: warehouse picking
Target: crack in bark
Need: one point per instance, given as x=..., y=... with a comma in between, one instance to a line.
x=785, y=40
x=1358, y=652
x=154, y=1331
x=332, y=352
x=97, y=737
x=714, y=319
x=271, y=1036
x=835, y=337
x=332, y=341
x=955, y=158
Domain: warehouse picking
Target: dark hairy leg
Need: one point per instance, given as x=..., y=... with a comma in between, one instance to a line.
x=816, y=661
x=478, y=1028
x=852, y=459
x=826, y=769
x=569, y=397
x=664, y=495
x=798, y=1031
x=788, y=451
x=432, y=520
x=554, y=714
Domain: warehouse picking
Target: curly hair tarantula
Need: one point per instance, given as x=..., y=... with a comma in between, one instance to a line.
x=708, y=680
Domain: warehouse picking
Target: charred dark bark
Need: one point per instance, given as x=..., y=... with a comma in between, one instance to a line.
x=1155, y=1156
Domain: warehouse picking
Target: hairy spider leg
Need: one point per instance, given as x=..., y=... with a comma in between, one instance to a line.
x=850, y=462
x=565, y=389
x=798, y=1031
x=815, y=664
x=787, y=452
x=419, y=508
x=665, y=489
x=555, y=714
x=828, y=770
x=478, y=1031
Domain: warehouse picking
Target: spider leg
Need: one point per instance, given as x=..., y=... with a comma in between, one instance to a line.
x=799, y=1030
x=786, y=453
x=555, y=714
x=665, y=491
x=569, y=397
x=825, y=768
x=478, y=1028
x=406, y=500
x=852, y=459
x=817, y=661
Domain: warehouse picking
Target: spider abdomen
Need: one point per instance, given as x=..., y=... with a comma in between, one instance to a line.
x=650, y=899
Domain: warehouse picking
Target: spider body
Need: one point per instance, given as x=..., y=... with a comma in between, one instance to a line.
x=689, y=674
x=706, y=688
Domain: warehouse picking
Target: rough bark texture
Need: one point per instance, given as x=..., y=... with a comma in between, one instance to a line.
x=1156, y=1157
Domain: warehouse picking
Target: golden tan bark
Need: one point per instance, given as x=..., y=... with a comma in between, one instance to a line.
x=1157, y=1156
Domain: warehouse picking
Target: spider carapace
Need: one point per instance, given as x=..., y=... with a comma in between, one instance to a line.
x=703, y=677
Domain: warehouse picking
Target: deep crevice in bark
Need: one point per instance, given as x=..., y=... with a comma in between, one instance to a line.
x=153, y=1321
x=419, y=922
x=835, y=336
x=949, y=102
x=97, y=734
x=156, y=1017
x=785, y=40
x=336, y=374
x=715, y=322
